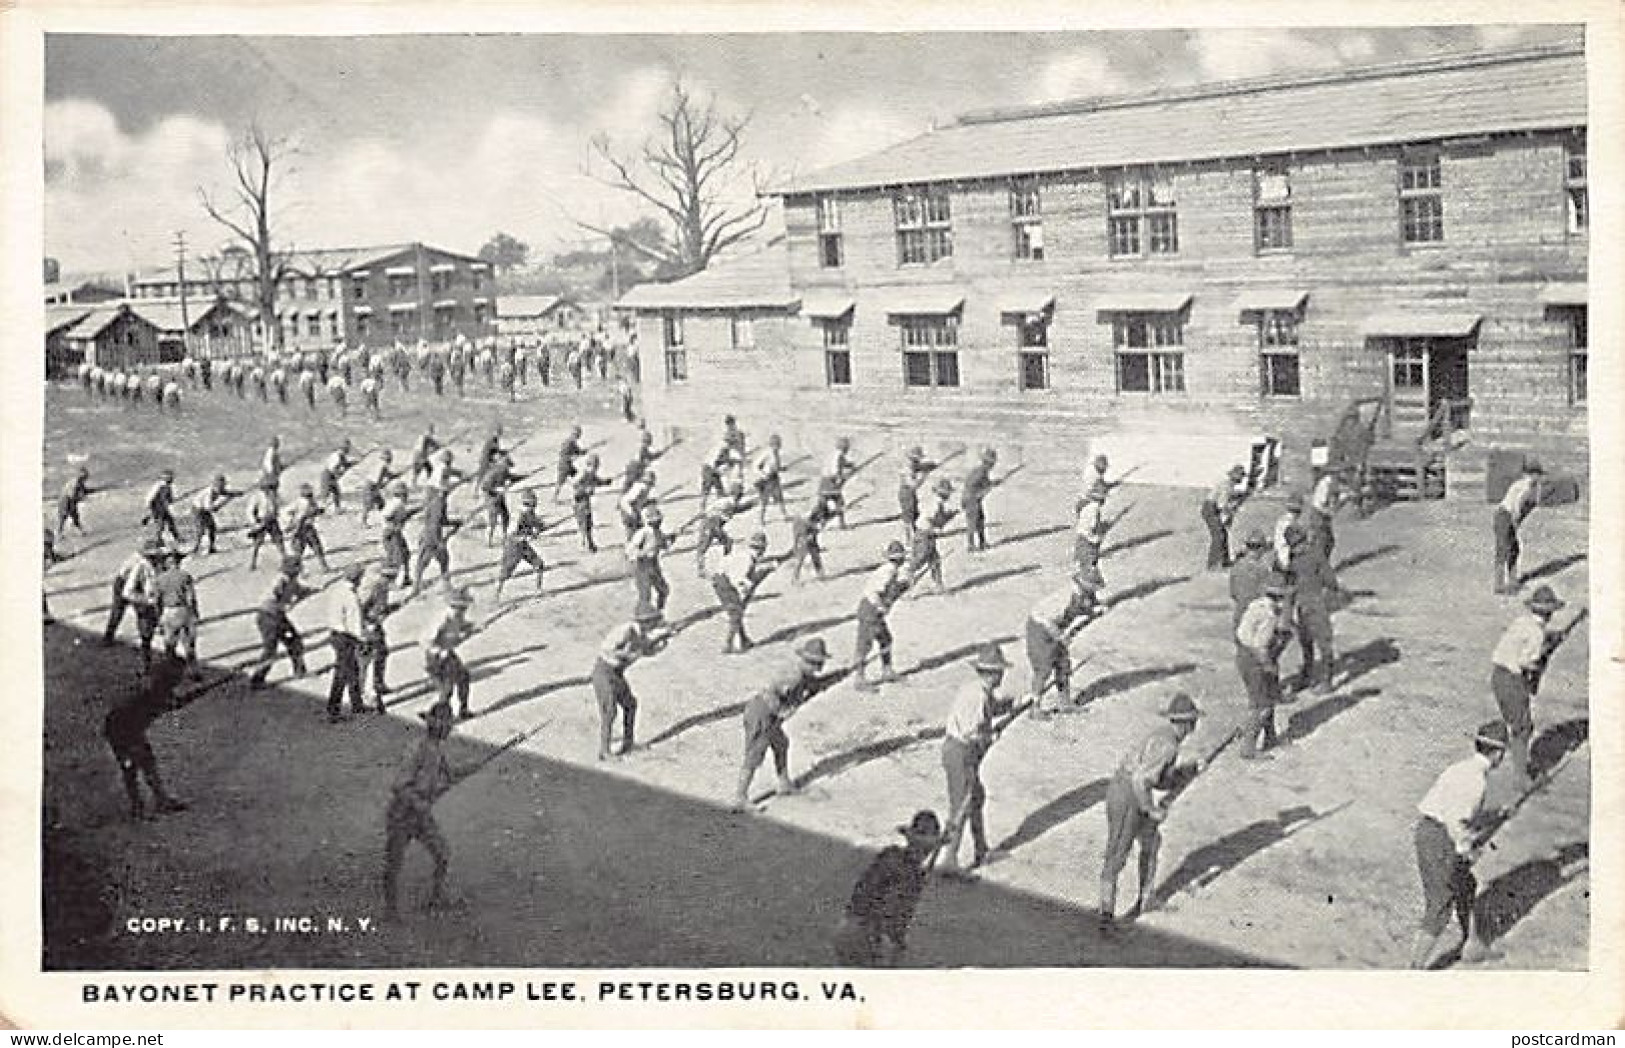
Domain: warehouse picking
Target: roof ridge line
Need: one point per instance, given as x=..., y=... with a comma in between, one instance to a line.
x=1274, y=82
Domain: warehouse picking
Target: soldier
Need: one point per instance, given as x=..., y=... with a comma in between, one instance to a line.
x=516, y=544
x=977, y=717
x=1291, y=517
x=1089, y=531
x=769, y=480
x=125, y=729
x=494, y=483
x=373, y=596
x=175, y=599
x=925, y=556
x=767, y=710
x=271, y=619
x=1261, y=635
x=717, y=461
x=375, y=482
x=506, y=378
x=1249, y=573
x=643, y=549
x=874, y=931
x=832, y=481
x=307, y=386
x=264, y=521
x=1134, y=813
x=1447, y=842
x=159, y=501
x=344, y=629
x=340, y=395
x=437, y=373
x=915, y=469
x=410, y=817
x=279, y=384
x=1050, y=625
x=633, y=499
x=713, y=532
x=133, y=588
x=1218, y=510
x=1324, y=499
x=256, y=382
x=978, y=482
x=585, y=483
x=734, y=437
x=735, y=582
x=1314, y=591
x=371, y=386
x=172, y=396
x=74, y=492
x=804, y=528
x=422, y=451
x=271, y=464
x=645, y=635
x=1516, y=664
x=1521, y=498
x=884, y=585
x=569, y=451
x=440, y=659
x=490, y=448
x=637, y=467
x=432, y=539
x=334, y=468
x=459, y=371
x=301, y=526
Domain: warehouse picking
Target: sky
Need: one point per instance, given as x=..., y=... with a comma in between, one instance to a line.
x=448, y=139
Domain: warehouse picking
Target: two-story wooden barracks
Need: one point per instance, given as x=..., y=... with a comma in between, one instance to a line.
x=1249, y=256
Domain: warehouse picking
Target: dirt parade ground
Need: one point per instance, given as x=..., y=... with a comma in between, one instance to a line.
x=560, y=859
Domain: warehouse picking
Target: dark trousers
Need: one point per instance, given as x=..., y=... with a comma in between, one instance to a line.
x=1506, y=549
x=451, y=678
x=763, y=734
x=1316, y=640
x=146, y=620
x=1513, y=698
x=1218, y=537
x=733, y=605
x=346, y=674
x=375, y=656
x=807, y=550
x=404, y=823
x=516, y=553
x=1447, y=878
x=268, y=530
x=650, y=582
x=304, y=537
x=1263, y=686
x=275, y=629
x=975, y=526
x=207, y=529
x=434, y=552
x=397, y=558
x=614, y=694
x=872, y=632
x=962, y=763
x=583, y=515
x=164, y=524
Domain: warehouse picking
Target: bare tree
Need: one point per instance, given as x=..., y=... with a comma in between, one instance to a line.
x=256, y=158
x=691, y=172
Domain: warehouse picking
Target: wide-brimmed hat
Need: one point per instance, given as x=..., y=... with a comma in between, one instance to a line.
x=758, y=541
x=1533, y=466
x=990, y=658
x=917, y=452
x=813, y=650
x=943, y=486
x=460, y=598
x=989, y=454
x=1237, y=472
x=1180, y=707
x=895, y=550
x=527, y=498
x=167, y=474
x=1492, y=733
x=1294, y=535
x=925, y=826
x=1544, y=599
x=1256, y=539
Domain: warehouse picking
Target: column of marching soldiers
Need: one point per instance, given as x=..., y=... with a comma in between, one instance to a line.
x=1282, y=587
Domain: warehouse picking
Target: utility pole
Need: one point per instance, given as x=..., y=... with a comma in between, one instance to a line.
x=614, y=270
x=180, y=273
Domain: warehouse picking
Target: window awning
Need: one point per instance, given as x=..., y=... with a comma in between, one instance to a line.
x=1403, y=324
x=446, y=304
x=1026, y=302
x=1271, y=299
x=362, y=311
x=827, y=306
x=442, y=267
x=1565, y=293
x=403, y=307
x=401, y=271
x=1143, y=302
x=914, y=301
x=362, y=273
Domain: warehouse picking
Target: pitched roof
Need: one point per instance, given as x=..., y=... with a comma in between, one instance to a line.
x=757, y=279
x=165, y=314
x=59, y=318
x=1524, y=90
x=311, y=262
x=530, y=305
x=97, y=320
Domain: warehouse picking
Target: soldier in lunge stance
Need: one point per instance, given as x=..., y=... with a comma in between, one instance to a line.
x=125, y=729
x=333, y=469
x=832, y=481
x=133, y=588
x=925, y=558
x=1521, y=498
x=1264, y=630
x=376, y=483
x=423, y=452
x=914, y=472
x=874, y=930
x=175, y=596
x=767, y=710
x=569, y=451
x=1249, y=573
x=804, y=529
x=1133, y=812
x=639, y=494
x=977, y=717
x=1089, y=531
x=645, y=635
x=1050, y=625
x=1519, y=657
x=885, y=584
x=373, y=596
x=275, y=628
x=643, y=549
x=397, y=559
x=73, y=495
x=1218, y=510
x=769, y=480
x=978, y=482
x=159, y=501
x=735, y=582
x=517, y=545
x=206, y=506
x=1446, y=846
x=583, y=485
x=301, y=526
x=426, y=776
x=264, y=521
x=345, y=629
x=440, y=659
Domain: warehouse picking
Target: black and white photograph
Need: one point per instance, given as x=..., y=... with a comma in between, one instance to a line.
x=798, y=506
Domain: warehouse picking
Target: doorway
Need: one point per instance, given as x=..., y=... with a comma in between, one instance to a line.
x=1427, y=386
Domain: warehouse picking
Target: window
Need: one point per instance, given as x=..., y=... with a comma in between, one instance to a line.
x=1032, y=341
x=479, y=314
x=924, y=226
x=1411, y=364
x=439, y=283
x=1421, y=202
x=1578, y=338
x=1150, y=353
x=837, y=352
x=332, y=287
x=1278, y=353
x=930, y=350
x=358, y=287
x=676, y=354
x=1140, y=216
x=829, y=233
x=443, y=319
x=363, y=325
x=398, y=324
x=477, y=277
x=313, y=325
x=1575, y=179
x=333, y=326
x=311, y=288
x=743, y=332
x=1027, y=220
x=1272, y=208
x=401, y=284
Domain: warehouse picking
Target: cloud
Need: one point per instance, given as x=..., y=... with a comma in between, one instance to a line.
x=1085, y=73
x=1234, y=54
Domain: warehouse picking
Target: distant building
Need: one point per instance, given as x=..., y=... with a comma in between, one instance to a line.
x=534, y=315
x=138, y=333
x=1161, y=269
x=83, y=293
x=367, y=296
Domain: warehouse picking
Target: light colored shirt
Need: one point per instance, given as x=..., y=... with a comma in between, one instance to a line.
x=1324, y=498
x=1456, y=799
x=1258, y=626
x=136, y=576
x=768, y=464
x=837, y=465
x=1056, y=609
x=970, y=718
x=338, y=462
x=1521, y=646
x=1222, y=493
x=646, y=543
x=1283, y=552
x=622, y=645
x=446, y=632
x=1520, y=497
x=272, y=462
x=1146, y=766
x=344, y=612
x=1089, y=520
x=262, y=506
x=738, y=566
x=882, y=585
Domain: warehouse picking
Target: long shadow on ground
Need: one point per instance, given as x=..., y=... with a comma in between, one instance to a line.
x=562, y=865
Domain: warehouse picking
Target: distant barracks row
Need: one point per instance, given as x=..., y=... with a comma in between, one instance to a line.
x=1251, y=255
